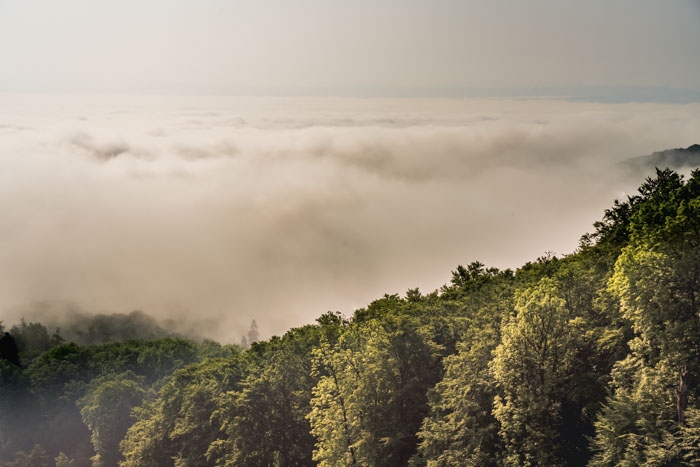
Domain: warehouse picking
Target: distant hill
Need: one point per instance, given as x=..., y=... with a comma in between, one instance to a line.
x=676, y=159
x=72, y=324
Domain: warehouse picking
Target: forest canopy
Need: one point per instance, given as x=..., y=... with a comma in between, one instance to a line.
x=590, y=358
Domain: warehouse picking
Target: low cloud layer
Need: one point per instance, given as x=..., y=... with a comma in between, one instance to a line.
x=214, y=212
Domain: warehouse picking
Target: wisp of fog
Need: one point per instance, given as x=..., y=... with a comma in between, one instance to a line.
x=211, y=212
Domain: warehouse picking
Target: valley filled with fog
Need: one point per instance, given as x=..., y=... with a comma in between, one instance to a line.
x=214, y=211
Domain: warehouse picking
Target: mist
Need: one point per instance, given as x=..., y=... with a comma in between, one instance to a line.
x=211, y=212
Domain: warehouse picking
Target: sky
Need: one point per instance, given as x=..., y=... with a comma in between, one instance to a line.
x=363, y=47
x=215, y=162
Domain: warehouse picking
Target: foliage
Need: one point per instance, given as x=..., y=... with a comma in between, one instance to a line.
x=33, y=339
x=533, y=366
x=178, y=424
x=106, y=411
x=651, y=416
x=374, y=388
x=460, y=428
x=265, y=420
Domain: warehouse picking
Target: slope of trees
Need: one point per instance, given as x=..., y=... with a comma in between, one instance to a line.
x=589, y=359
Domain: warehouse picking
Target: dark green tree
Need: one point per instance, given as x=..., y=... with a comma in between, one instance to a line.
x=177, y=428
x=265, y=421
x=37, y=457
x=106, y=410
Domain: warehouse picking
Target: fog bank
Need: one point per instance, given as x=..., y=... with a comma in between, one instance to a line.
x=216, y=211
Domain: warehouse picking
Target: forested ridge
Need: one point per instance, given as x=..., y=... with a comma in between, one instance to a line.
x=592, y=358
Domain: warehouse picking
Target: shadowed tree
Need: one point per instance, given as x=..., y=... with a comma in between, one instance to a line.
x=177, y=428
x=8, y=349
x=106, y=410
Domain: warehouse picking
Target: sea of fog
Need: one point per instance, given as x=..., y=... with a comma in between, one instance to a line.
x=213, y=211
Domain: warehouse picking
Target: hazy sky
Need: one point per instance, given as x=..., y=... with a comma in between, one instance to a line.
x=223, y=161
x=372, y=47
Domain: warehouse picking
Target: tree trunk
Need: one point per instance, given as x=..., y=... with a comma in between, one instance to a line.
x=682, y=394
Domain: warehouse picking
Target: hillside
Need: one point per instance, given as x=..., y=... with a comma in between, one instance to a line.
x=677, y=159
x=587, y=359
